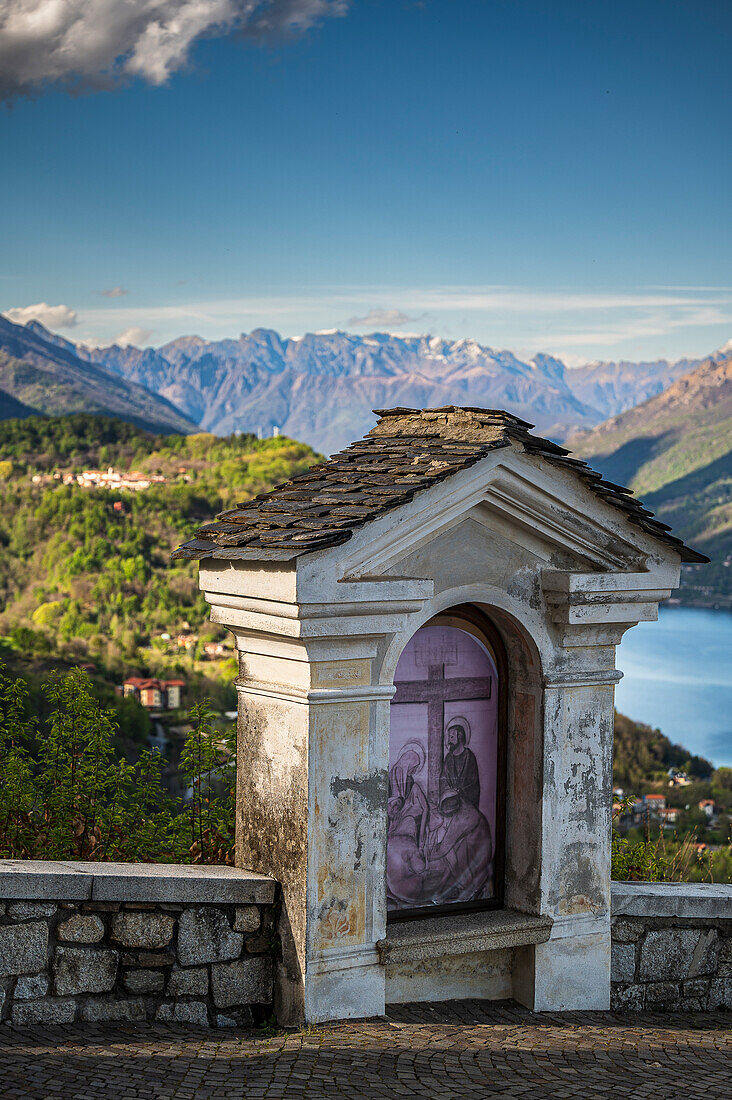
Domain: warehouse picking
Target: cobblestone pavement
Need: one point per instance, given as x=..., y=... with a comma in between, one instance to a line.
x=456, y=1051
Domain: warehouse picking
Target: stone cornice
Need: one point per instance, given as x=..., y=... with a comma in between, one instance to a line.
x=599, y=599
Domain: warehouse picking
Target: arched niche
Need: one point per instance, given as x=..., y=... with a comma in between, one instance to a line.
x=465, y=760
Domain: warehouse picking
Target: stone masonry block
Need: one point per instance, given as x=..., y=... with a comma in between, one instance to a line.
x=623, y=963
x=662, y=995
x=720, y=993
x=141, y=929
x=246, y=918
x=184, y=1012
x=23, y=948
x=84, y=970
x=31, y=986
x=678, y=953
x=31, y=910
x=627, y=931
x=188, y=982
x=248, y=981
x=51, y=1010
x=697, y=987
x=144, y=981
x=109, y=1010
x=86, y=928
x=725, y=958
x=628, y=998
x=706, y=955
x=204, y=935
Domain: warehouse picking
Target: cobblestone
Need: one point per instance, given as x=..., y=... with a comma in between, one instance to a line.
x=464, y=1050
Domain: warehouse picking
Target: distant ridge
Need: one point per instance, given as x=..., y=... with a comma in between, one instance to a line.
x=42, y=373
x=322, y=387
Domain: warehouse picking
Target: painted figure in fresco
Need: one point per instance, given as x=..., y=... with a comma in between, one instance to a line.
x=460, y=768
x=458, y=851
x=408, y=814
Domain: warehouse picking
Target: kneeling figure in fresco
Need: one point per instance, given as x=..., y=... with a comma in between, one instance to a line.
x=434, y=856
x=458, y=851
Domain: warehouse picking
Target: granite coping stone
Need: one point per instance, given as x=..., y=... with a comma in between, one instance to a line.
x=60, y=880
x=692, y=900
x=461, y=934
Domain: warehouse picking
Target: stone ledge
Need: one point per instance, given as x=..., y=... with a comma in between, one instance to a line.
x=693, y=900
x=144, y=882
x=462, y=934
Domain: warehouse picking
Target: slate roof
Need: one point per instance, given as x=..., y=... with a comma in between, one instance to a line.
x=408, y=450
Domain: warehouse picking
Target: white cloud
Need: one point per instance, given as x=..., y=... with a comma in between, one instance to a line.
x=114, y=292
x=98, y=43
x=133, y=335
x=53, y=317
x=633, y=323
x=381, y=318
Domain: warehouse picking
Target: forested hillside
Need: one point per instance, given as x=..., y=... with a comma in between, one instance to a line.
x=675, y=451
x=643, y=756
x=85, y=574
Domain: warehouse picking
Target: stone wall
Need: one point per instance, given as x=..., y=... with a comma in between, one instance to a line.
x=100, y=942
x=671, y=946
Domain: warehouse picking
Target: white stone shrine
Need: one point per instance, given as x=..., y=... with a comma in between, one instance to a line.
x=463, y=792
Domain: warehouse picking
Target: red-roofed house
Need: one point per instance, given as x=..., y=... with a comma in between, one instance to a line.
x=155, y=694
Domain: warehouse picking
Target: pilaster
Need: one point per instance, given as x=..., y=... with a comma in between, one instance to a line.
x=313, y=775
x=591, y=612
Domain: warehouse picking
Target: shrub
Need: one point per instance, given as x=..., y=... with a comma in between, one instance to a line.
x=66, y=794
x=658, y=859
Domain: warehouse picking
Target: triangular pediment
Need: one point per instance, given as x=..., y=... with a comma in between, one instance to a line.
x=501, y=514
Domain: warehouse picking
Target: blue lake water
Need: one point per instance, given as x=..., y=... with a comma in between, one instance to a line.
x=678, y=678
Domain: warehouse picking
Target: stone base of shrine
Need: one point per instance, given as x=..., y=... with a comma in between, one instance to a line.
x=473, y=955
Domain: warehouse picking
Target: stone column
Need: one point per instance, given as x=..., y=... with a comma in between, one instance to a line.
x=572, y=970
x=311, y=804
x=345, y=904
x=592, y=611
x=313, y=759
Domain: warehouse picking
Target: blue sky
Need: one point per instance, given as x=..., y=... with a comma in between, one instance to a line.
x=542, y=176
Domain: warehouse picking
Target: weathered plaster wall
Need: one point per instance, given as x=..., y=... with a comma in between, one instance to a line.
x=124, y=942
x=671, y=946
x=272, y=823
x=484, y=975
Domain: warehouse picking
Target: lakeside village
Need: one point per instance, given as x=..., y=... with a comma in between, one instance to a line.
x=651, y=810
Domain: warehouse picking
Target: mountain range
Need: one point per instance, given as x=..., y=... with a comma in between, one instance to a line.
x=322, y=387
x=675, y=452
x=42, y=373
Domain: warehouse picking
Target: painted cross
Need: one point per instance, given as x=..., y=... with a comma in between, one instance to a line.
x=436, y=690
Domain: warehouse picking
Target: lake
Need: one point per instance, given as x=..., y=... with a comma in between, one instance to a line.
x=678, y=678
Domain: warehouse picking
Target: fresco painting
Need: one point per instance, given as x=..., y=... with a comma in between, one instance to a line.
x=443, y=751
